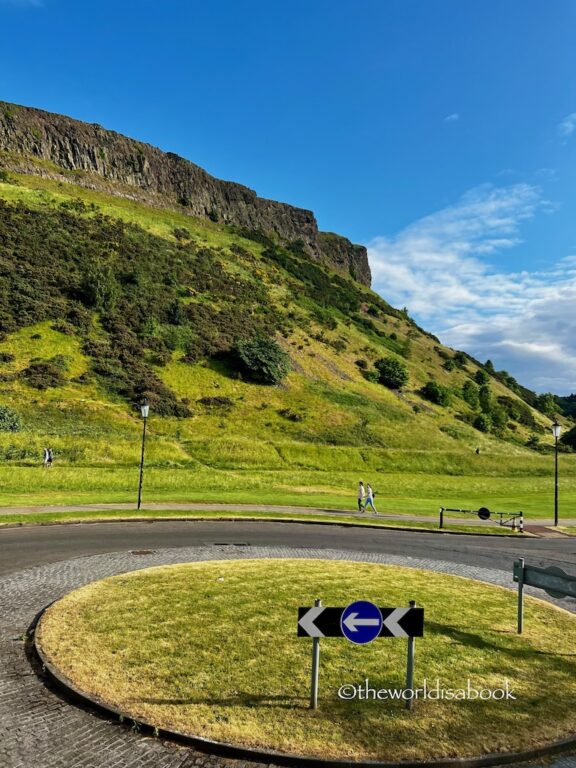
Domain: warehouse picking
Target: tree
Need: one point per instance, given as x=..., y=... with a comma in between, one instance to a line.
x=481, y=377
x=489, y=365
x=470, y=394
x=9, y=420
x=436, y=393
x=482, y=422
x=485, y=398
x=263, y=360
x=547, y=404
x=391, y=373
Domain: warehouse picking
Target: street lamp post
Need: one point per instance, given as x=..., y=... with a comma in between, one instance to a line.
x=144, y=410
x=556, y=430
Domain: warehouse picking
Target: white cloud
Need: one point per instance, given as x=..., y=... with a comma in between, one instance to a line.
x=567, y=126
x=444, y=268
x=453, y=118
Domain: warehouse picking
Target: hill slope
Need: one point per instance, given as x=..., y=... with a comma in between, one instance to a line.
x=104, y=300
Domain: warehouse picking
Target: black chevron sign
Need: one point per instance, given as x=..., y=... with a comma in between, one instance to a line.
x=327, y=622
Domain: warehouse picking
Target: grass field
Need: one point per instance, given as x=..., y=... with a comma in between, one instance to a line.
x=415, y=493
x=211, y=649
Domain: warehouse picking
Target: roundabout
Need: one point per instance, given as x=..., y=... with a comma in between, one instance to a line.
x=41, y=728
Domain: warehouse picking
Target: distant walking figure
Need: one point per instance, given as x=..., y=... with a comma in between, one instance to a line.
x=369, y=499
x=46, y=457
x=50, y=456
x=361, y=496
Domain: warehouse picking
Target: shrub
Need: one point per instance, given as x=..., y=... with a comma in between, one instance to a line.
x=482, y=422
x=485, y=399
x=9, y=420
x=43, y=374
x=216, y=402
x=481, y=377
x=449, y=365
x=436, y=393
x=373, y=376
x=6, y=357
x=391, y=373
x=362, y=364
x=291, y=415
x=470, y=394
x=263, y=360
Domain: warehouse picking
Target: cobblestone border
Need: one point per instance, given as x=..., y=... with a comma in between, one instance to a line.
x=38, y=728
x=229, y=750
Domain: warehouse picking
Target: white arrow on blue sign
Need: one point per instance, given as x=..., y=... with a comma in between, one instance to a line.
x=361, y=622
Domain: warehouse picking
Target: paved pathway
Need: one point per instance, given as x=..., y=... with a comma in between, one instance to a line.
x=453, y=518
x=40, y=730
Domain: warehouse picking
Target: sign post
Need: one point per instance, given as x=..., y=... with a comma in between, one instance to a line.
x=520, y=595
x=410, y=666
x=360, y=622
x=315, y=665
x=552, y=580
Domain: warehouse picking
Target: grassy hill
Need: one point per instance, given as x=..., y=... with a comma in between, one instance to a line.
x=104, y=300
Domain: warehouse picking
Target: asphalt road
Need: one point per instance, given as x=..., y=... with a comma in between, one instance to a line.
x=34, y=545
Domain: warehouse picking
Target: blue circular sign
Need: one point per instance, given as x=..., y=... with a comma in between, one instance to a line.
x=361, y=622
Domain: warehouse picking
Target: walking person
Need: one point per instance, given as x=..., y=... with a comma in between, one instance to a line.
x=370, y=499
x=46, y=457
x=50, y=456
x=361, y=496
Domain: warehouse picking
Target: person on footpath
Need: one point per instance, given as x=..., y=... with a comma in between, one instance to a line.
x=46, y=459
x=361, y=496
x=370, y=499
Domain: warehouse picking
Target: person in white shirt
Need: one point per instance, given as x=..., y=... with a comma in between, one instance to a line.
x=370, y=499
x=361, y=496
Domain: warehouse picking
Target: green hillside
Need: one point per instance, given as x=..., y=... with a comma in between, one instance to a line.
x=104, y=300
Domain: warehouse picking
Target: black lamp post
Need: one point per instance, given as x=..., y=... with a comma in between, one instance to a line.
x=144, y=410
x=556, y=430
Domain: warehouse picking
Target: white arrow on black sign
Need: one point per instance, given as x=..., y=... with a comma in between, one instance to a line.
x=325, y=622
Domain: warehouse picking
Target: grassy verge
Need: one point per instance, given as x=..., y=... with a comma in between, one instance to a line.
x=413, y=493
x=211, y=649
x=51, y=518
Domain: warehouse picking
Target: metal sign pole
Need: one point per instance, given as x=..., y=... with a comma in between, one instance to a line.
x=315, y=666
x=441, y=517
x=521, y=596
x=410, y=665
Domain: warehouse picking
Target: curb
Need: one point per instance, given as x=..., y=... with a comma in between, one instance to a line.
x=303, y=521
x=75, y=696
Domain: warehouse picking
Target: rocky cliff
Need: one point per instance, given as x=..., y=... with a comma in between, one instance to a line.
x=89, y=155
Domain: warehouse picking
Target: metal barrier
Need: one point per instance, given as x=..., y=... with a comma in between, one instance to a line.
x=513, y=519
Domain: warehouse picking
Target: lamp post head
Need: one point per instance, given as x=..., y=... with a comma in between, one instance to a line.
x=556, y=430
x=144, y=409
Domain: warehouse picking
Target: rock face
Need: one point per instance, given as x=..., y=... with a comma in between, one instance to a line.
x=88, y=155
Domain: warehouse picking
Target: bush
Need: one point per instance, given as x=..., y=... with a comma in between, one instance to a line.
x=216, y=402
x=470, y=394
x=481, y=377
x=43, y=374
x=6, y=357
x=482, y=422
x=263, y=360
x=9, y=420
x=391, y=373
x=291, y=415
x=436, y=393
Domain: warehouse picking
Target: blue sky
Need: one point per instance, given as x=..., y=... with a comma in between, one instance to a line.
x=440, y=133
